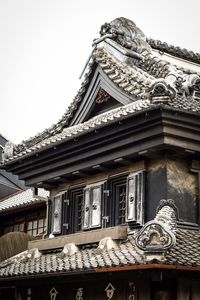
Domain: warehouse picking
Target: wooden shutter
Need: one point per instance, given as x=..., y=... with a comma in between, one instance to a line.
x=86, y=210
x=106, y=205
x=65, y=213
x=135, y=198
x=49, y=217
x=131, y=203
x=92, y=206
x=56, y=216
x=140, y=197
x=95, y=208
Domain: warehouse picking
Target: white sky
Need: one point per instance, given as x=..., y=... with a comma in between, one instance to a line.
x=44, y=45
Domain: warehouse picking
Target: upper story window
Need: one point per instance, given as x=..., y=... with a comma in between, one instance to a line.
x=118, y=200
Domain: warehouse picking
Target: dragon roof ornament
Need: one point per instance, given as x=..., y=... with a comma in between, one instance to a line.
x=172, y=81
x=126, y=33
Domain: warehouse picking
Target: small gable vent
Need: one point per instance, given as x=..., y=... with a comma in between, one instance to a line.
x=102, y=96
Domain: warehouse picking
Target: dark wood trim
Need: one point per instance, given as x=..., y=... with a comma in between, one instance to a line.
x=148, y=266
x=159, y=128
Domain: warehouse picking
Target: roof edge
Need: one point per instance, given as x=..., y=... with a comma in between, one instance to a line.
x=148, y=266
x=174, y=50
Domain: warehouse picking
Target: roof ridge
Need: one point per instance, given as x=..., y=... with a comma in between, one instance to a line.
x=175, y=50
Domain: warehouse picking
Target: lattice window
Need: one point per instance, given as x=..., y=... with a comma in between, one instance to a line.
x=75, y=209
x=122, y=203
x=33, y=225
x=116, y=202
x=14, y=227
x=36, y=227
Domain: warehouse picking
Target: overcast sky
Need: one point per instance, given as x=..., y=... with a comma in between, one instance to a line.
x=44, y=45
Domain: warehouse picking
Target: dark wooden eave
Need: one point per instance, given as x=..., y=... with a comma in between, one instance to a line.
x=127, y=139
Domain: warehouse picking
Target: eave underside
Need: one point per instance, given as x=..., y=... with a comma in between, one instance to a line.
x=155, y=130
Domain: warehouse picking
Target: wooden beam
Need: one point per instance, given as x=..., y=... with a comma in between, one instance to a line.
x=150, y=153
x=80, y=174
x=88, y=163
x=61, y=179
x=45, y=185
x=146, y=267
x=81, y=238
x=100, y=168
x=122, y=161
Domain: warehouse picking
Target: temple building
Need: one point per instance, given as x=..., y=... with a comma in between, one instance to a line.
x=122, y=167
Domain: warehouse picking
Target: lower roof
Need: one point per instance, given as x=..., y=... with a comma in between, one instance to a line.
x=175, y=248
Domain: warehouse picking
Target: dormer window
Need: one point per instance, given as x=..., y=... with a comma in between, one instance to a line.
x=116, y=201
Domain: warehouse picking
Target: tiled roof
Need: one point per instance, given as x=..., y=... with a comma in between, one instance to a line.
x=186, y=252
x=175, y=51
x=83, y=128
x=125, y=56
x=182, y=251
x=21, y=199
x=182, y=104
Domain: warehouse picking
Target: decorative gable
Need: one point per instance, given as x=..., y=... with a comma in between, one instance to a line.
x=100, y=96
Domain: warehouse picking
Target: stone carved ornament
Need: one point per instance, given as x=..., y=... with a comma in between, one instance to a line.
x=155, y=235
x=8, y=150
x=162, y=90
x=159, y=234
x=126, y=33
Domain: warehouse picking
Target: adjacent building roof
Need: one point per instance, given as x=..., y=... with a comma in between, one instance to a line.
x=127, y=60
x=157, y=242
x=21, y=199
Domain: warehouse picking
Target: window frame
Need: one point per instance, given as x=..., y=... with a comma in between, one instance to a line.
x=112, y=207
x=24, y=220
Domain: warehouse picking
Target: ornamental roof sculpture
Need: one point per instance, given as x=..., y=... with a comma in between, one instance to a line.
x=176, y=247
x=146, y=72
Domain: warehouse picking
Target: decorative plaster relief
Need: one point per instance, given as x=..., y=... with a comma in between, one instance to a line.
x=154, y=234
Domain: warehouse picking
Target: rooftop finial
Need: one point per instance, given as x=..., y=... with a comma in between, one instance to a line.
x=126, y=33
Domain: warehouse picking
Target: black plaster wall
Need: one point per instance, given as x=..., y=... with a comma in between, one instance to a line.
x=170, y=178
